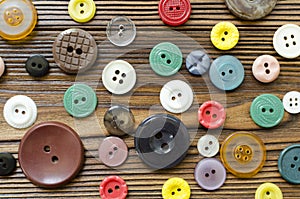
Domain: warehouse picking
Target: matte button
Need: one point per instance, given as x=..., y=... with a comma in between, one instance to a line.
x=267, y=110
x=20, y=111
x=113, y=187
x=268, y=191
x=37, y=66
x=197, y=62
x=291, y=102
x=211, y=115
x=176, y=188
x=243, y=154
x=2, y=67
x=266, y=68
x=82, y=10
x=165, y=59
x=224, y=35
x=208, y=146
x=226, y=73
x=162, y=141
x=7, y=164
x=75, y=50
x=51, y=154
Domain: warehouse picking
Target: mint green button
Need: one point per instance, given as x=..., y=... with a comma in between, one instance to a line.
x=80, y=100
x=165, y=59
x=267, y=110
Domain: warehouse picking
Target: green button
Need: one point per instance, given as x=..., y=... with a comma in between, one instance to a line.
x=165, y=59
x=267, y=110
x=80, y=100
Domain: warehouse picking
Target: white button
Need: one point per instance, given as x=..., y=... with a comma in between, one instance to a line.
x=20, y=111
x=119, y=77
x=208, y=146
x=291, y=102
x=286, y=41
x=176, y=96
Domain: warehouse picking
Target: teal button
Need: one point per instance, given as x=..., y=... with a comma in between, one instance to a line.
x=165, y=59
x=267, y=110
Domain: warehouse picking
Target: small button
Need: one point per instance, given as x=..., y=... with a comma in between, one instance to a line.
x=197, y=62
x=291, y=102
x=165, y=59
x=82, y=10
x=113, y=187
x=268, y=191
x=224, y=36
x=2, y=67
x=266, y=68
x=211, y=115
x=226, y=73
x=119, y=77
x=7, y=164
x=20, y=111
x=176, y=96
x=208, y=146
x=37, y=66
x=267, y=110
x=176, y=188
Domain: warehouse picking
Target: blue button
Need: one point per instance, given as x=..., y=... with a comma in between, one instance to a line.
x=197, y=62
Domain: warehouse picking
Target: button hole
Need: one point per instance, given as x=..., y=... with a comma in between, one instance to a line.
x=117, y=72
x=207, y=175
x=223, y=73
x=178, y=189
x=173, y=98
x=82, y=12
x=115, y=148
x=110, y=190
x=291, y=105
x=296, y=99
x=164, y=146
x=230, y=71
x=158, y=135
x=223, y=39
x=54, y=159
x=4, y=166
x=120, y=34
x=16, y=110
x=285, y=38
x=76, y=101
x=78, y=51
x=121, y=27
x=206, y=148
x=293, y=166
x=121, y=81
x=70, y=49
x=117, y=187
x=173, y=193
x=114, y=78
x=83, y=99
x=171, y=8
x=263, y=110
x=168, y=61
x=207, y=112
x=40, y=66
x=298, y=168
x=177, y=8
x=214, y=116
x=23, y=112
x=271, y=110
x=110, y=153
x=47, y=149
x=294, y=43
x=292, y=36
x=179, y=95
x=210, y=142
x=266, y=65
x=213, y=171
x=287, y=45
x=163, y=56
x=81, y=4
x=33, y=64
x=123, y=75
x=225, y=33
x=267, y=71
x=268, y=193
x=296, y=158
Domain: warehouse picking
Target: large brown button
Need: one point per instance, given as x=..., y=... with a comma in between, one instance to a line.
x=51, y=154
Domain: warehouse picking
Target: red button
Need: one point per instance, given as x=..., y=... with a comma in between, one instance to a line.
x=113, y=187
x=174, y=12
x=211, y=115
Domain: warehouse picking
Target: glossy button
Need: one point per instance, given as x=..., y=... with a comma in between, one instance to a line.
x=7, y=164
x=243, y=154
x=113, y=187
x=176, y=188
x=18, y=19
x=82, y=10
x=197, y=62
x=211, y=115
x=266, y=68
x=267, y=110
x=51, y=154
x=208, y=146
x=20, y=111
x=2, y=66
x=224, y=36
x=37, y=66
x=291, y=102
x=268, y=191
x=165, y=59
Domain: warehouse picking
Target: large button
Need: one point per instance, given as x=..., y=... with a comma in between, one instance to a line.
x=267, y=110
x=162, y=141
x=51, y=154
x=224, y=35
x=211, y=115
x=119, y=77
x=113, y=187
x=268, y=191
x=82, y=10
x=18, y=19
x=2, y=66
x=7, y=164
x=20, y=111
x=243, y=154
x=176, y=188
x=37, y=66
x=226, y=73
x=75, y=50
x=197, y=62
x=266, y=68
x=165, y=59
x=291, y=102
x=208, y=146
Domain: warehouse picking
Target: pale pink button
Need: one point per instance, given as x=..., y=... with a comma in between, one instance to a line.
x=266, y=68
x=2, y=67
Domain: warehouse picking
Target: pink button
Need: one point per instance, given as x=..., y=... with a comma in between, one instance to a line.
x=266, y=68
x=2, y=67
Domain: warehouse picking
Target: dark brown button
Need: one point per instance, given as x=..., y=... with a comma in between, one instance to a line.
x=51, y=154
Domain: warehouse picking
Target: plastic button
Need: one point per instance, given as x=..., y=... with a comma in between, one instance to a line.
x=243, y=154
x=82, y=10
x=211, y=115
x=291, y=102
x=208, y=146
x=2, y=67
x=268, y=191
x=7, y=164
x=224, y=35
x=198, y=62
x=119, y=77
x=226, y=73
x=176, y=188
x=113, y=187
x=165, y=59
x=20, y=111
x=37, y=66
x=176, y=96
x=18, y=19
x=266, y=68
x=267, y=110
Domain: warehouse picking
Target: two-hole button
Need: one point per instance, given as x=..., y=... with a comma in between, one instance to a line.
x=113, y=187
x=82, y=10
x=224, y=36
x=266, y=68
x=176, y=188
x=268, y=191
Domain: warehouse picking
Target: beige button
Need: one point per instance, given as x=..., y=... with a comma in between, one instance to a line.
x=266, y=68
x=2, y=67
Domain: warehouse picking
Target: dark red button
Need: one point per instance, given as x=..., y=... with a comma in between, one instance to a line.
x=211, y=115
x=113, y=187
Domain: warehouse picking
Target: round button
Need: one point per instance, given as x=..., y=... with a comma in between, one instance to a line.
x=75, y=50
x=286, y=41
x=119, y=77
x=224, y=35
x=37, y=66
x=20, y=111
x=7, y=164
x=226, y=73
x=162, y=141
x=82, y=10
x=176, y=188
x=113, y=187
x=165, y=59
x=208, y=146
x=266, y=68
x=211, y=115
x=291, y=102
x=267, y=110
x=197, y=62
x=121, y=31
x=243, y=154
x=268, y=191
x=80, y=100
x=17, y=20
x=2, y=67
x=51, y=154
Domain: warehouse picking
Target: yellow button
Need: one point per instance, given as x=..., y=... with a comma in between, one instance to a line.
x=176, y=188
x=268, y=191
x=82, y=10
x=224, y=35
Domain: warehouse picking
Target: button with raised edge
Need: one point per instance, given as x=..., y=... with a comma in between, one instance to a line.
x=291, y=102
x=198, y=62
x=266, y=68
x=7, y=164
x=113, y=187
x=82, y=10
x=2, y=66
x=176, y=188
x=268, y=191
x=211, y=115
x=208, y=146
x=37, y=66
x=224, y=35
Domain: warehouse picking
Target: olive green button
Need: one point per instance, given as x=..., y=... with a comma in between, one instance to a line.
x=267, y=110
x=165, y=59
x=80, y=100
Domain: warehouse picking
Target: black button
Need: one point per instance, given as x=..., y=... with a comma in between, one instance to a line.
x=7, y=164
x=37, y=66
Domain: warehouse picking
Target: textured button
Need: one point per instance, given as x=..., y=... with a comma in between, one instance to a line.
x=18, y=19
x=119, y=77
x=176, y=188
x=2, y=67
x=162, y=141
x=243, y=154
x=208, y=146
x=286, y=41
x=266, y=68
x=113, y=187
x=75, y=50
x=165, y=59
x=224, y=35
x=226, y=73
x=20, y=111
x=80, y=100
x=211, y=115
x=176, y=96
x=7, y=164
x=82, y=10
x=37, y=66
x=174, y=12
x=51, y=154
x=268, y=191
x=198, y=62
x=267, y=110
x=291, y=102
x=121, y=31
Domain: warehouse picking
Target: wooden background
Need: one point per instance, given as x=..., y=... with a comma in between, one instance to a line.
x=255, y=39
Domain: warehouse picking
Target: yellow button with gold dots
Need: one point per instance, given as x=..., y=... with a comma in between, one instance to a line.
x=176, y=188
x=268, y=191
x=82, y=10
x=224, y=35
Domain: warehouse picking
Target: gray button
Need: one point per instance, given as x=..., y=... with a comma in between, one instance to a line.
x=198, y=62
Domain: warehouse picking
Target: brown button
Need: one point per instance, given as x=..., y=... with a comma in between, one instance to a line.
x=75, y=50
x=51, y=154
x=2, y=67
